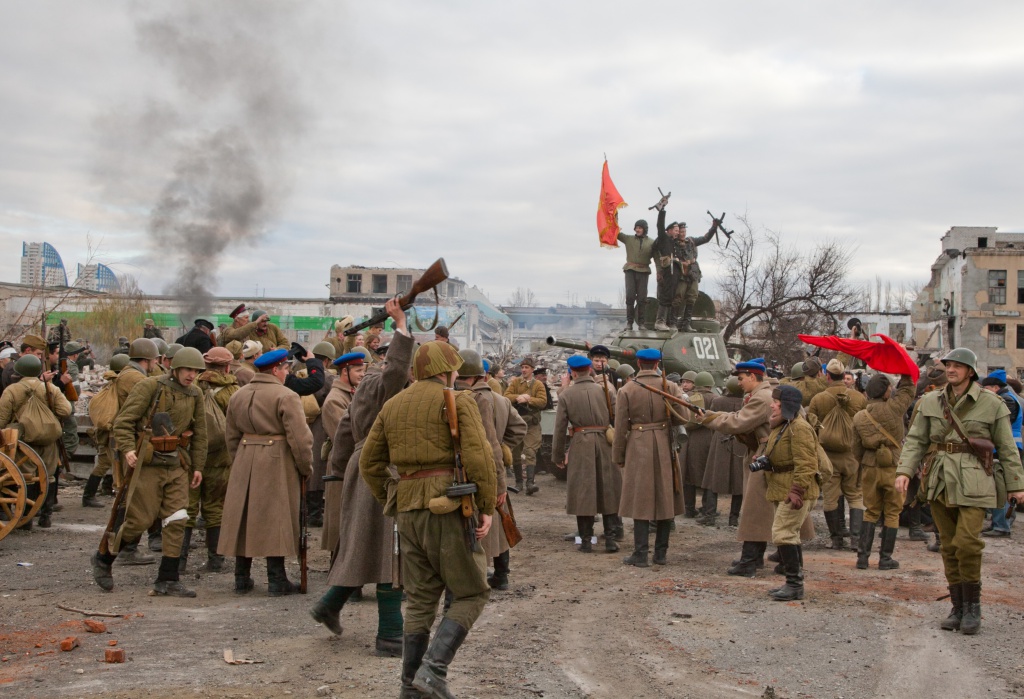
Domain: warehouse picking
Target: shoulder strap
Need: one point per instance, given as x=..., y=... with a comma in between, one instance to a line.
x=769, y=450
x=882, y=429
x=953, y=419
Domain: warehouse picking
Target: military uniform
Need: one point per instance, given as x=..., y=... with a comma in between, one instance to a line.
x=695, y=458
x=681, y=273
x=526, y=454
x=639, y=251
x=196, y=338
x=727, y=460
x=334, y=408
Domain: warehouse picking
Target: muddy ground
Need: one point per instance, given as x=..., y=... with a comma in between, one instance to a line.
x=571, y=625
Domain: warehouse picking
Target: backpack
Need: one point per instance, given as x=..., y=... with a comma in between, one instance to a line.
x=103, y=408
x=547, y=392
x=836, y=432
x=215, y=421
x=38, y=423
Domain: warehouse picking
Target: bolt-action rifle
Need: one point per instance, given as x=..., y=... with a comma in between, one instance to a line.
x=435, y=274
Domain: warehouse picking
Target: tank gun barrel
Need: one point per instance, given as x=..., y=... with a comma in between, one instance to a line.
x=616, y=352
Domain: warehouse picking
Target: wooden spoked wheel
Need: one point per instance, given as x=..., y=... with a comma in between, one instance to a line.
x=32, y=469
x=12, y=495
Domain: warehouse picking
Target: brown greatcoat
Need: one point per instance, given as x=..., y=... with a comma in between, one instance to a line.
x=727, y=458
x=750, y=425
x=261, y=507
x=594, y=484
x=334, y=408
x=511, y=430
x=644, y=451
x=698, y=445
x=317, y=427
x=365, y=535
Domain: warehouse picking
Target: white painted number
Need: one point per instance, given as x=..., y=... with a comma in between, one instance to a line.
x=705, y=348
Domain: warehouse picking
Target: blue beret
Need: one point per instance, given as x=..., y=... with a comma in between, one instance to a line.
x=350, y=358
x=599, y=350
x=271, y=358
x=649, y=354
x=751, y=366
x=487, y=367
x=578, y=361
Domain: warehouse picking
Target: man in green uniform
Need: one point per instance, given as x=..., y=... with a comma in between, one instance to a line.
x=957, y=484
x=677, y=294
x=412, y=433
x=639, y=250
x=529, y=396
x=169, y=416
x=101, y=472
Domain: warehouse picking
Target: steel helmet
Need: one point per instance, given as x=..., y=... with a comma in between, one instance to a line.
x=325, y=349
x=172, y=349
x=188, y=358
x=625, y=371
x=143, y=348
x=732, y=386
x=161, y=347
x=797, y=371
x=690, y=376
x=118, y=362
x=704, y=380
x=472, y=365
x=433, y=358
x=28, y=366
x=964, y=356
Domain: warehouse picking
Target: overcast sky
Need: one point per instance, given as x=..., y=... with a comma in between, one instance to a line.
x=476, y=131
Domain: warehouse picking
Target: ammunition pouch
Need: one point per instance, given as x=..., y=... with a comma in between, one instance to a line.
x=443, y=505
x=171, y=443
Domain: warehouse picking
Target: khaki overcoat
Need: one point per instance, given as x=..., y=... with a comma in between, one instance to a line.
x=594, y=483
x=698, y=445
x=727, y=457
x=334, y=408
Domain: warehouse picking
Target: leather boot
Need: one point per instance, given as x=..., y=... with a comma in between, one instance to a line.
x=243, y=575
x=531, y=473
x=690, y=501
x=315, y=508
x=278, y=583
x=129, y=555
x=46, y=511
x=214, y=561
x=956, y=596
x=734, y=510
x=936, y=545
x=518, y=469
x=856, y=519
x=794, y=587
x=684, y=322
x=915, y=532
x=167, y=583
x=89, y=498
x=867, y=539
x=107, y=485
x=709, y=508
x=619, y=528
x=774, y=557
x=661, y=542
x=609, y=526
x=414, y=646
x=186, y=541
x=156, y=536
x=841, y=509
x=499, y=581
x=586, y=527
x=751, y=556
x=832, y=519
x=661, y=323
x=431, y=677
x=970, y=624
x=886, y=561
x=641, y=529
x=101, y=571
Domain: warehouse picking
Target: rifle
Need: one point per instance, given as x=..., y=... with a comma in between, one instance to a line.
x=62, y=365
x=669, y=396
x=677, y=481
x=303, y=537
x=435, y=274
x=461, y=489
x=456, y=321
x=717, y=226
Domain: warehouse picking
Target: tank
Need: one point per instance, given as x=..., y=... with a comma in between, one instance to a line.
x=703, y=349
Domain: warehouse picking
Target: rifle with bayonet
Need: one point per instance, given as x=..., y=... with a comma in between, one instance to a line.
x=717, y=226
x=434, y=275
x=461, y=489
x=668, y=396
x=452, y=325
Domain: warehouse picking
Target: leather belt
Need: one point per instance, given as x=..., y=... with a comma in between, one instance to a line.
x=649, y=426
x=589, y=428
x=262, y=440
x=782, y=469
x=954, y=447
x=429, y=473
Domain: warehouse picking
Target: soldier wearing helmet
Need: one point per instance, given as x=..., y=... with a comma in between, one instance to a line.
x=958, y=479
x=727, y=456
x=101, y=479
x=697, y=448
x=163, y=362
x=412, y=434
x=324, y=353
x=167, y=417
x=639, y=251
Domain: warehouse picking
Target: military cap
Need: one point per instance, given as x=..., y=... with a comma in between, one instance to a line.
x=349, y=359
x=540, y=370
x=272, y=358
x=122, y=340
x=441, y=331
x=811, y=368
x=649, y=354
x=487, y=367
x=189, y=358
x=790, y=398
x=218, y=356
x=239, y=310
x=494, y=368
x=613, y=364
x=76, y=347
x=997, y=378
x=674, y=377
x=751, y=367
x=257, y=313
x=204, y=323
x=148, y=322
x=625, y=371
x=797, y=371
x=877, y=386
x=382, y=350
x=33, y=341
x=704, y=380
x=143, y=348
x=732, y=386
x=642, y=223
x=433, y=358
x=118, y=362
x=251, y=348
x=28, y=366
x=578, y=361
x=835, y=367
x=172, y=349
x=161, y=347
x=528, y=361
x=599, y=351
x=343, y=324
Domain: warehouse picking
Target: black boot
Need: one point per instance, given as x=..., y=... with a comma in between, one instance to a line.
x=586, y=527
x=956, y=596
x=518, y=470
x=618, y=528
x=664, y=527
x=734, y=510
x=684, y=322
x=278, y=583
x=914, y=530
x=641, y=527
x=609, y=524
x=499, y=581
x=751, y=558
x=414, y=646
x=243, y=575
x=856, y=519
x=833, y=518
x=709, y=508
x=186, y=541
x=841, y=509
x=156, y=536
x=101, y=571
x=886, y=561
x=46, y=511
x=431, y=677
x=690, y=501
x=167, y=580
x=315, y=508
x=970, y=624
x=531, y=473
x=214, y=561
x=89, y=498
x=794, y=587
x=107, y=485
x=129, y=555
x=774, y=557
x=864, y=544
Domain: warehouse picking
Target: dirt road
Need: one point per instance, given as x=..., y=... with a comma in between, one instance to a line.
x=572, y=625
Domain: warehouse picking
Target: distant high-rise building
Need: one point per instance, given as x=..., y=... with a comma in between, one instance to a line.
x=97, y=277
x=41, y=265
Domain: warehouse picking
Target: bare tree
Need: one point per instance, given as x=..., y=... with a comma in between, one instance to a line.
x=523, y=297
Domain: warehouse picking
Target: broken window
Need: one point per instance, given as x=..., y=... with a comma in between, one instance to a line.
x=997, y=286
x=996, y=336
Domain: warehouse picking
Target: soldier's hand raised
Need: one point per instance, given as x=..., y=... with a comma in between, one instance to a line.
x=394, y=309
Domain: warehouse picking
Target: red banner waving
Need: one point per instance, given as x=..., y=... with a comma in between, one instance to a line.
x=608, y=210
x=887, y=356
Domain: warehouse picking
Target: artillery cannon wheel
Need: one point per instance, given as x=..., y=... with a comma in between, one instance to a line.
x=12, y=495
x=32, y=469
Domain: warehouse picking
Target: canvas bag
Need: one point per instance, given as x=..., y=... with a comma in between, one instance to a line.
x=836, y=432
x=38, y=423
x=103, y=408
x=215, y=421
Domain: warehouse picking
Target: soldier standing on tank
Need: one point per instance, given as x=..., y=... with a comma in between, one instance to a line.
x=209, y=496
x=529, y=397
x=727, y=456
x=593, y=484
x=639, y=250
x=956, y=484
x=680, y=272
x=169, y=415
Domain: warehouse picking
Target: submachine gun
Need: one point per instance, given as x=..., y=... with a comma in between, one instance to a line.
x=461, y=489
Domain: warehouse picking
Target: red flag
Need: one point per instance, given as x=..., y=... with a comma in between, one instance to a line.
x=608, y=211
x=887, y=356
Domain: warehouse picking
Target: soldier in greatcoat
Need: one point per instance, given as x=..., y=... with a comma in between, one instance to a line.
x=593, y=484
x=365, y=535
x=271, y=450
x=698, y=446
x=727, y=458
x=324, y=351
x=198, y=337
x=651, y=482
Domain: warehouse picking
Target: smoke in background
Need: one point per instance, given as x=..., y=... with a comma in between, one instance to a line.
x=221, y=133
